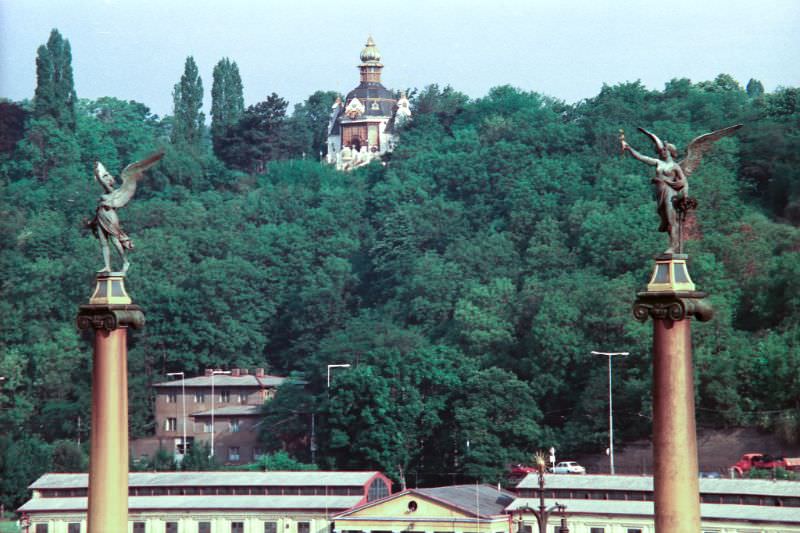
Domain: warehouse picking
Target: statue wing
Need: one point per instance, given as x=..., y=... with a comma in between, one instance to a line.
x=130, y=177
x=702, y=144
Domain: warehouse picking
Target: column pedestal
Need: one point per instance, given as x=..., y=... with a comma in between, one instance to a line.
x=671, y=306
x=109, y=313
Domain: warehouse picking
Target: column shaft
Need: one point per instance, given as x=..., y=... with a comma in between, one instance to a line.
x=108, y=470
x=675, y=480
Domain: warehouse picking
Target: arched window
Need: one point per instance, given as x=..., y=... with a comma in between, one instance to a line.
x=377, y=490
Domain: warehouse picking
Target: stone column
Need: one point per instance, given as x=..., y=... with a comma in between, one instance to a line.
x=671, y=301
x=109, y=314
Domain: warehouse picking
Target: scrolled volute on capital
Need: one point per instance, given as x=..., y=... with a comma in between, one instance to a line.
x=109, y=317
x=674, y=307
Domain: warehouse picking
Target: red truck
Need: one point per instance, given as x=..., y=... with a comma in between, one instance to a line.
x=764, y=462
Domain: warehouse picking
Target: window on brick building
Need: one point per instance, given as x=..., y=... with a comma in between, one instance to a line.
x=233, y=453
x=234, y=425
x=172, y=397
x=171, y=424
x=224, y=396
x=199, y=397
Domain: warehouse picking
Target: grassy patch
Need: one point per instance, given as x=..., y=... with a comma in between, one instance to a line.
x=8, y=526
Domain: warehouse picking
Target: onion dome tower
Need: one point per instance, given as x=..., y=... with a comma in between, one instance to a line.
x=361, y=125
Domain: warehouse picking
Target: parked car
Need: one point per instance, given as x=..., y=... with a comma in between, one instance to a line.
x=568, y=467
x=521, y=471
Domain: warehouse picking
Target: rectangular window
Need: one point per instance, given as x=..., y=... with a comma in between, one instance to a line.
x=732, y=499
x=242, y=398
x=73, y=527
x=258, y=451
x=41, y=528
x=237, y=527
x=270, y=527
x=199, y=397
x=171, y=424
x=234, y=425
x=207, y=427
x=233, y=453
x=189, y=444
x=138, y=527
x=204, y=527
x=597, y=530
x=634, y=530
x=224, y=396
x=172, y=527
x=303, y=527
x=172, y=397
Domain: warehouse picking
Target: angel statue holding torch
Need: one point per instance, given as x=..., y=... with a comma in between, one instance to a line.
x=105, y=223
x=671, y=179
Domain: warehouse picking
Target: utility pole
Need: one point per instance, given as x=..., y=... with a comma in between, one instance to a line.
x=610, y=408
x=183, y=397
x=213, y=402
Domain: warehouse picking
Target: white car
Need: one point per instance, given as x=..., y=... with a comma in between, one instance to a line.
x=568, y=467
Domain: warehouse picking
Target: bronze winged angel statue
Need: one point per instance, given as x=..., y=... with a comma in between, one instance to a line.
x=105, y=223
x=671, y=180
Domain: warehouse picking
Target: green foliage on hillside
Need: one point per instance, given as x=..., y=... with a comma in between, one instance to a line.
x=466, y=280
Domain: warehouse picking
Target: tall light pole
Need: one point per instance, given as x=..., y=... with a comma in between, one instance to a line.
x=183, y=397
x=213, y=402
x=610, y=407
x=313, y=416
x=345, y=365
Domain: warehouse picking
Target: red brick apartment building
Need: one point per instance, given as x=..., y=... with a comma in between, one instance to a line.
x=230, y=413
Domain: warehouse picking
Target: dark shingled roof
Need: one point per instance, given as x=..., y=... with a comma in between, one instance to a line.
x=369, y=92
x=479, y=500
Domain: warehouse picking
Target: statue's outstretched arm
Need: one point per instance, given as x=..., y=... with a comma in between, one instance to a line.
x=643, y=158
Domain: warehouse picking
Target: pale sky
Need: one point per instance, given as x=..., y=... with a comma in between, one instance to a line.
x=135, y=49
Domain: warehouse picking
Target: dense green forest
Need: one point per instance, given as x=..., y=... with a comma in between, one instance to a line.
x=466, y=278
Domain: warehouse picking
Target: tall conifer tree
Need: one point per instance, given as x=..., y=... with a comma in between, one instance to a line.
x=227, y=100
x=55, y=90
x=188, y=103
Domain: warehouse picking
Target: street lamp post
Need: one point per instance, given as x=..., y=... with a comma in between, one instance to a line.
x=543, y=513
x=345, y=365
x=610, y=407
x=213, y=402
x=183, y=401
x=313, y=418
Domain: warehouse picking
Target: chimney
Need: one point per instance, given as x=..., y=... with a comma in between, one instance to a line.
x=208, y=372
x=259, y=372
x=245, y=371
x=235, y=372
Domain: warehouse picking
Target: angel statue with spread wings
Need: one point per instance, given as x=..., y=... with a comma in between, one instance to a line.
x=671, y=179
x=105, y=223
